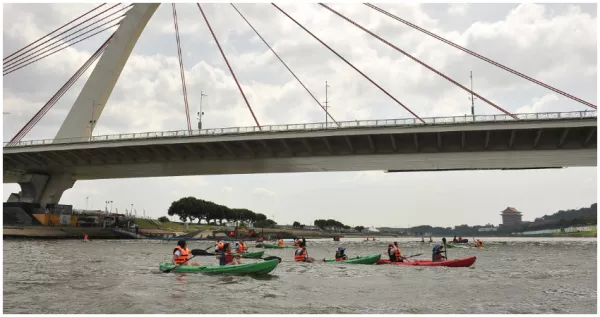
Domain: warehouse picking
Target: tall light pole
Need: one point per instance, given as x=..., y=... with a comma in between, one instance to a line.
x=111, y=202
x=131, y=210
x=472, y=98
x=200, y=113
x=106, y=207
x=86, y=203
x=326, y=104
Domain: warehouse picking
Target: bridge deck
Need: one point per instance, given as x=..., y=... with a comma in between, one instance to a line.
x=541, y=141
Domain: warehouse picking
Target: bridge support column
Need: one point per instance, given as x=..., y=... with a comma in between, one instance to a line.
x=42, y=189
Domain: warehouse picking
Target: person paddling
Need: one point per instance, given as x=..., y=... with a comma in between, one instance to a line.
x=479, y=243
x=181, y=254
x=301, y=255
x=280, y=242
x=395, y=253
x=436, y=255
x=218, y=246
x=340, y=255
x=226, y=257
x=240, y=247
x=85, y=237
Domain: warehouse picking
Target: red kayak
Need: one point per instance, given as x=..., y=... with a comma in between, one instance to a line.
x=466, y=262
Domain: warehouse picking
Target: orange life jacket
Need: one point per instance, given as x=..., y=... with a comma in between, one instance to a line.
x=241, y=247
x=184, y=257
x=479, y=243
x=300, y=255
x=297, y=243
x=397, y=253
x=280, y=242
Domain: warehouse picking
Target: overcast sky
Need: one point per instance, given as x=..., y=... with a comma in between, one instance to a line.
x=554, y=43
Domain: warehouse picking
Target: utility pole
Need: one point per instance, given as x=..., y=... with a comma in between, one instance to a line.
x=86, y=203
x=200, y=113
x=326, y=104
x=472, y=98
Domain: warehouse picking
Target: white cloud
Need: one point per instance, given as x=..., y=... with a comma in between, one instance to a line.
x=458, y=9
x=263, y=192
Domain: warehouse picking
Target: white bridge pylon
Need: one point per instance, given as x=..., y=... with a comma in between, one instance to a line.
x=102, y=80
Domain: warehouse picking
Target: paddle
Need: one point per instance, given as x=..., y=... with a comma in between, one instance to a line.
x=445, y=249
x=269, y=258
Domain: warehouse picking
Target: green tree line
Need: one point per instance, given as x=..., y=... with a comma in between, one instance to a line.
x=194, y=209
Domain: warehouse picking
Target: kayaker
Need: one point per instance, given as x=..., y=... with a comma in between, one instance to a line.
x=437, y=253
x=391, y=254
x=85, y=237
x=181, y=254
x=479, y=243
x=261, y=239
x=397, y=253
x=240, y=247
x=280, y=242
x=430, y=240
x=422, y=239
x=454, y=239
x=297, y=242
x=227, y=257
x=301, y=255
x=339, y=254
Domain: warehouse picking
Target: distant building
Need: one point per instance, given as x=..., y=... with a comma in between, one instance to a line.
x=511, y=217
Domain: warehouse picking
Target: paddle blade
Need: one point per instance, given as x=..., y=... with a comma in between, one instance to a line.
x=199, y=252
x=269, y=258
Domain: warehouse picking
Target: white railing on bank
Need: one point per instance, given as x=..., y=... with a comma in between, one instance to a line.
x=316, y=126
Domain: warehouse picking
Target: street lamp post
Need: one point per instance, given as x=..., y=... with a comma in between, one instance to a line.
x=326, y=104
x=106, y=206
x=86, y=203
x=131, y=210
x=472, y=98
x=200, y=113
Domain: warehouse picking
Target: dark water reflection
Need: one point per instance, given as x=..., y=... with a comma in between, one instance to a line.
x=511, y=276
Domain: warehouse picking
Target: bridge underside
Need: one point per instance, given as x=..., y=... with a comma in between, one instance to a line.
x=503, y=147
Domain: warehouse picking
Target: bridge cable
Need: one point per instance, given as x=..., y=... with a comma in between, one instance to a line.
x=481, y=57
x=284, y=64
x=182, y=70
x=64, y=25
x=54, y=37
x=418, y=61
x=52, y=53
x=38, y=116
x=21, y=62
x=350, y=64
x=229, y=66
x=58, y=95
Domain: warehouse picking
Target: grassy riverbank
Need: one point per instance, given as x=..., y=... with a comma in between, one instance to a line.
x=581, y=234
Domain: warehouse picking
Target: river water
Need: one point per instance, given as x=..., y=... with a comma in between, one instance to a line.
x=514, y=275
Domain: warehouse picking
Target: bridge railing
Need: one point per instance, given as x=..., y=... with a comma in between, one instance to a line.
x=316, y=126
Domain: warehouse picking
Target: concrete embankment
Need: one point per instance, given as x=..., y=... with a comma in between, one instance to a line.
x=38, y=232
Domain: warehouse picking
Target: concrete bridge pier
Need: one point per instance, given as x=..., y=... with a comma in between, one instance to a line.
x=42, y=189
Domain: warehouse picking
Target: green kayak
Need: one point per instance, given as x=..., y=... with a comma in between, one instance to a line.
x=367, y=259
x=274, y=246
x=258, y=268
x=253, y=255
